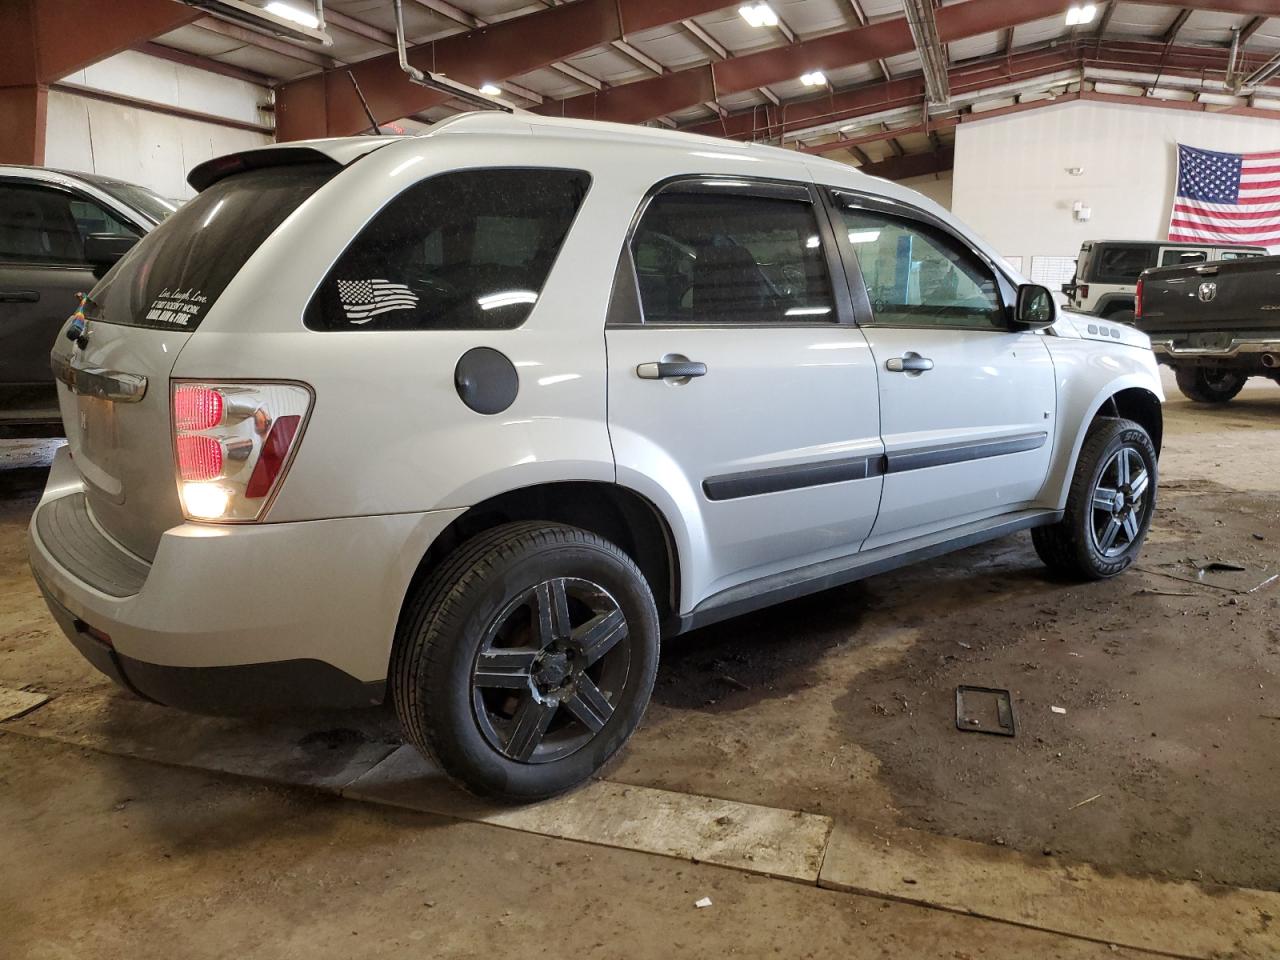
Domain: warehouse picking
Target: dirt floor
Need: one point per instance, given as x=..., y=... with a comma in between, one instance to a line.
x=1164, y=762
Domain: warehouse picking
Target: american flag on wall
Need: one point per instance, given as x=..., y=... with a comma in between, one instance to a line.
x=1227, y=198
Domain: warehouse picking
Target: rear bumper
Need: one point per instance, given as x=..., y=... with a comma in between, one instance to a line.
x=230, y=618
x=1246, y=348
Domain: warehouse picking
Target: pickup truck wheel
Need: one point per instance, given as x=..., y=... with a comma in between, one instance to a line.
x=1109, y=506
x=1209, y=385
x=526, y=660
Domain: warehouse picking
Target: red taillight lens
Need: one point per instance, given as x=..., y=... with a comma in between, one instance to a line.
x=196, y=408
x=1137, y=300
x=1082, y=291
x=200, y=458
x=232, y=443
x=271, y=460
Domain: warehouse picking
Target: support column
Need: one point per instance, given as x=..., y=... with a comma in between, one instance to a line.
x=23, y=111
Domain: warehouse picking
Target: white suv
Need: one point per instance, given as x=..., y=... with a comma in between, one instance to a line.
x=471, y=420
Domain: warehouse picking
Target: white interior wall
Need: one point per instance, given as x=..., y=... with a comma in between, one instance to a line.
x=938, y=187
x=145, y=146
x=1013, y=187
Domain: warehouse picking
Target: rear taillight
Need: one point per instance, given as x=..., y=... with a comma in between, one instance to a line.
x=1082, y=291
x=1137, y=300
x=232, y=444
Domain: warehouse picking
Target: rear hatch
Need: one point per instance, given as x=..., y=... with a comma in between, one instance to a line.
x=1213, y=302
x=113, y=379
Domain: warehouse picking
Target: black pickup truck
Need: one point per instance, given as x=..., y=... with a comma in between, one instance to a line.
x=1216, y=324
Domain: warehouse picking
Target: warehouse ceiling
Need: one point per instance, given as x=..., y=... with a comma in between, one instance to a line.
x=894, y=77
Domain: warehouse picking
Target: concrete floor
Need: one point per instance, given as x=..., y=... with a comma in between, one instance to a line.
x=1163, y=769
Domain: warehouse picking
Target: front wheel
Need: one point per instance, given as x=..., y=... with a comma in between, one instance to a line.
x=1109, y=506
x=1209, y=385
x=526, y=660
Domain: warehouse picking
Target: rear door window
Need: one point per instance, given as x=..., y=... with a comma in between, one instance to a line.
x=724, y=258
x=1118, y=264
x=174, y=275
x=469, y=250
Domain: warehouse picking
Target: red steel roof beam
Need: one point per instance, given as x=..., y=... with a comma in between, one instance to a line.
x=646, y=99
x=326, y=104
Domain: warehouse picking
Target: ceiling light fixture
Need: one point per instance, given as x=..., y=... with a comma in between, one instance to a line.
x=287, y=12
x=815, y=78
x=490, y=89
x=758, y=14
x=1078, y=16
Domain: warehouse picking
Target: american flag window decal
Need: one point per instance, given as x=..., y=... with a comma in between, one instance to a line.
x=362, y=300
x=1226, y=198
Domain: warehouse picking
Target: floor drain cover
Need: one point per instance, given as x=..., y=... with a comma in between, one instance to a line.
x=985, y=710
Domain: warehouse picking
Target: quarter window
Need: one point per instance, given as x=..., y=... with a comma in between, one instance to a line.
x=1121, y=264
x=917, y=275
x=720, y=258
x=469, y=250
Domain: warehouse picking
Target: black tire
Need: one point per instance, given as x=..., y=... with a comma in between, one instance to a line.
x=1077, y=545
x=501, y=721
x=1209, y=385
x=1121, y=316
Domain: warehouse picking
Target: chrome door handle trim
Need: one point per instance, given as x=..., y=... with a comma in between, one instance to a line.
x=111, y=385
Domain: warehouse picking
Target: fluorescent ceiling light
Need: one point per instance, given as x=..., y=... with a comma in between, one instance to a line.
x=812, y=243
x=864, y=236
x=758, y=14
x=1078, y=16
x=291, y=13
x=490, y=89
x=814, y=79
x=808, y=311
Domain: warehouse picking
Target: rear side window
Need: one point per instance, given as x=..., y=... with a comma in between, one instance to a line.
x=1178, y=258
x=1121, y=264
x=174, y=275
x=717, y=258
x=469, y=250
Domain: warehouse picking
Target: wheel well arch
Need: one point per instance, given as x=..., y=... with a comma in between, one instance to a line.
x=1139, y=405
x=616, y=513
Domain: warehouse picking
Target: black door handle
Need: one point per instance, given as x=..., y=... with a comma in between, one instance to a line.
x=19, y=296
x=911, y=363
x=671, y=370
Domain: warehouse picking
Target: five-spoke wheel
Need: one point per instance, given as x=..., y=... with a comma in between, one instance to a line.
x=526, y=659
x=549, y=667
x=1118, y=503
x=1109, y=504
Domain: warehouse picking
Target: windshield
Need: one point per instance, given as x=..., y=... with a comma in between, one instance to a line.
x=175, y=273
x=147, y=202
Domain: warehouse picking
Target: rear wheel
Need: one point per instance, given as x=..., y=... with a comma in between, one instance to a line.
x=526, y=661
x=1121, y=316
x=1109, y=506
x=1209, y=384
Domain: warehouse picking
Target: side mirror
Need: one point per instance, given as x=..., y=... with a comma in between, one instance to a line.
x=1036, y=307
x=104, y=249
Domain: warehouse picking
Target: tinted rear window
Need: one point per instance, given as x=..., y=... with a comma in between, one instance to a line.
x=171, y=279
x=1121, y=264
x=469, y=250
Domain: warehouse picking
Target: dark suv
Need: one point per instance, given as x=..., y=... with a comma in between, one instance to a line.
x=59, y=232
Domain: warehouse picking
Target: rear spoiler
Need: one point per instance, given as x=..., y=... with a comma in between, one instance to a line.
x=338, y=152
